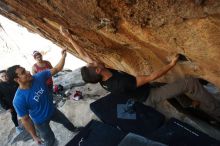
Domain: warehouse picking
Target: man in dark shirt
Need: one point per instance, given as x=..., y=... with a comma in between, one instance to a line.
x=138, y=86
x=7, y=92
x=121, y=83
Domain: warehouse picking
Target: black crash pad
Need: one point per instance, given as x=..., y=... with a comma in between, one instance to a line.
x=177, y=133
x=97, y=133
x=147, y=121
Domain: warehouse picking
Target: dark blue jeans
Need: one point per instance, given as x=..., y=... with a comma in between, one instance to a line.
x=45, y=131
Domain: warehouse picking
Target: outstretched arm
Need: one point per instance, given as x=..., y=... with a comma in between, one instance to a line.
x=141, y=80
x=60, y=64
x=82, y=53
x=30, y=128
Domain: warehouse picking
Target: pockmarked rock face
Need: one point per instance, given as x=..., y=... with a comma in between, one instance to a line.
x=136, y=36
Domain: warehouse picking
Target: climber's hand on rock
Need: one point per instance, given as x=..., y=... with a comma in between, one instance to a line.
x=174, y=59
x=63, y=52
x=65, y=32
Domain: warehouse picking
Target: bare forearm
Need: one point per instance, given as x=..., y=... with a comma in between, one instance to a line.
x=162, y=71
x=141, y=80
x=76, y=46
x=29, y=127
x=59, y=66
x=80, y=50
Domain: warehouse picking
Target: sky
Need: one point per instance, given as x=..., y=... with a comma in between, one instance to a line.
x=17, y=45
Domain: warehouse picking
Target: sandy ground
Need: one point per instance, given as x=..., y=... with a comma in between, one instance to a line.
x=77, y=111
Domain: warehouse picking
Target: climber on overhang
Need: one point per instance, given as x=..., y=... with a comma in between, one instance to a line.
x=139, y=87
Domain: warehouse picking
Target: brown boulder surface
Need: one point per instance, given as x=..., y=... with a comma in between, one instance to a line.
x=136, y=36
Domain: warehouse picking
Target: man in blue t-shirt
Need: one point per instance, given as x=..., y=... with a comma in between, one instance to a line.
x=34, y=100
